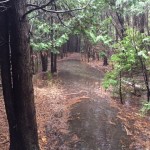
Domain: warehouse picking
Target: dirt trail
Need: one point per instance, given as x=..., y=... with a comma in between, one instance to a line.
x=73, y=112
x=92, y=121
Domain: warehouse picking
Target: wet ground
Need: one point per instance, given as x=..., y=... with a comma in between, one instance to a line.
x=92, y=119
x=75, y=113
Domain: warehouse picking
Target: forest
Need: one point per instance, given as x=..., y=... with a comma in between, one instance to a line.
x=75, y=75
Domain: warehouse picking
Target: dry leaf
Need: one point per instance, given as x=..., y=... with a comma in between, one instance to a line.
x=44, y=139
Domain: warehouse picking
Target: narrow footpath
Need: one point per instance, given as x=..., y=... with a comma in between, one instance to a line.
x=92, y=121
x=75, y=113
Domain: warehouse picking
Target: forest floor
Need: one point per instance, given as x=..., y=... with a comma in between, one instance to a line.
x=74, y=112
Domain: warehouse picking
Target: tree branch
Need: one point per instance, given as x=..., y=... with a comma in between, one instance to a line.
x=60, y=19
x=1, y=2
x=36, y=8
x=51, y=11
x=4, y=5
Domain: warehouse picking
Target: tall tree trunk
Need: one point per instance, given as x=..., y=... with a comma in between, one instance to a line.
x=141, y=22
x=55, y=63
x=147, y=21
x=61, y=52
x=79, y=43
x=120, y=87
x=52, y=62
x=22, y=77
x=44, y=60
x=105, y=60
x=6, y=80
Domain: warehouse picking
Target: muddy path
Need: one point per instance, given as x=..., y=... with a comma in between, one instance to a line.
x=92, y=120
x=74, y=113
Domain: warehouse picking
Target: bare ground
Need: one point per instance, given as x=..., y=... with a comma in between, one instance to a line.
x=56, y=103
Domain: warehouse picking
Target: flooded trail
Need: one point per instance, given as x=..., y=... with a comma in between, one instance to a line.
x=92, y=119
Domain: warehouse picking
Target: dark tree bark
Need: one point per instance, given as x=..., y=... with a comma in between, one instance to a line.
x=32, y=61
x=73, y=44
x=52, y=62
x=79, y=43
x=88, y=55
x=55, y=63
x=120, y=87
x=147, y=21
x=22, y=78
x=141, y=22
x=105, y=60
x=97, y=56
x=53, y=55
x=6, y=80
x=128, y=20
x=61, y=52
x=44, y=59
x=121, y=22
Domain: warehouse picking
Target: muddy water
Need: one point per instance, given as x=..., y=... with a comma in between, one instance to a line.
x=92, y=120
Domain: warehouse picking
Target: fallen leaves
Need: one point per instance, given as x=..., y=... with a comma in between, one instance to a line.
x=44, y=140
x=135, y=126
x=76, y=100
x=50, y=106
x=127, y=130
x=4, y=133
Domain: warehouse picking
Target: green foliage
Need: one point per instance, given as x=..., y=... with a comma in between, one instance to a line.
x=102, y=54
x=40, y=46
x=133, y=6
x=40, y=40
x=145, y=108
x=126, y=57
x=146, y=40
x=110, y=79
x=96, y=39
x=49, y=75
x=61, y=40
